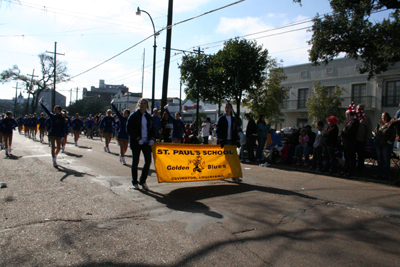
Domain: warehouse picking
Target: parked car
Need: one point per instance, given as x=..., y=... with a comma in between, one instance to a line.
x=285, y=133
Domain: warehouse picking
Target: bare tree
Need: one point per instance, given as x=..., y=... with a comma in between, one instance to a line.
x=35, y=87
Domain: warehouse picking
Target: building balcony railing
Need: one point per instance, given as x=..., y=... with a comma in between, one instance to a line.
x=369, y=102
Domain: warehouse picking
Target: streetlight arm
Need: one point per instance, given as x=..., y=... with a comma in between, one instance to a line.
x=154, y=58
x=151, y=19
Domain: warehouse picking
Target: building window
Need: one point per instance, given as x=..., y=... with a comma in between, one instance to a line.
x=330, y=90
x=303, y=95
x=359, y=93
x=392, y=97
x=301, y=123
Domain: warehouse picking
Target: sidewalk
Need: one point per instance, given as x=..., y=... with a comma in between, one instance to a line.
x=367, y=175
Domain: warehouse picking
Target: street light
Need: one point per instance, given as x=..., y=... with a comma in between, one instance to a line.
x=138, y=13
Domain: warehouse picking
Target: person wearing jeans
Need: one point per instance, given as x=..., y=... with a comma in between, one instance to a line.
x=262, y=133
x=329, y=142
x=395, y=123
x=301, y=147
x=205, y=130
x=383, y=152
x=309, y=147
x=364, y=135
x=317, y=161
x=384, y=139
x=349, y=137
x=251, y=135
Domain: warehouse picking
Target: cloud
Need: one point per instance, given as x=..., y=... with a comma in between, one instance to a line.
x=180, y=6
x=118, y=72
x=288, y=44
x=240, y=26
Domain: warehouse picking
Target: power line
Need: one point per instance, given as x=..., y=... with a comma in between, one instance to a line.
x=277, y=28
x=206, y=13
x=72, y=14
x=269, y=30
x=165, y=28
x=112, y=57
x=222, y=41
x=293, y=24
x=57, y=34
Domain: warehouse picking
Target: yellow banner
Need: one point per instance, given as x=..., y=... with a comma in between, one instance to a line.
x=191, y=163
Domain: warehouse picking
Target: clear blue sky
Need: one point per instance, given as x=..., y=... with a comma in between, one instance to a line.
x=90, y=32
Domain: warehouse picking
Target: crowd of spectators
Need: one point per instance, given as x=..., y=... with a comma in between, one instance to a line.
x=328, y=148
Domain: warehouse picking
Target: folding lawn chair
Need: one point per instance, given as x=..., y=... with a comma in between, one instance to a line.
x=370, y=153
x=273, y=146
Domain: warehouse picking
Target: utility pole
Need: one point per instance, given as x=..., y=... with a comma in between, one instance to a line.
x=53, y=102
x=198, y=95
x=167, y=57
x=127, y=95
x=180, y=96
x=144, y=55
x=139, y=11
x=70, y=98
x=15, y=100
x=76, y=101
x=198, y=52
x=31, y=85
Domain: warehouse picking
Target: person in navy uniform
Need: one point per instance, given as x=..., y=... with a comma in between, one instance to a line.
x=107, y=124
x=56, y=130
x=122, y=135
x=7, y=126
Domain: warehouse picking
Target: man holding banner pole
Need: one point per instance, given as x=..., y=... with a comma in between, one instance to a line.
x=142, y=133
x=226, y=131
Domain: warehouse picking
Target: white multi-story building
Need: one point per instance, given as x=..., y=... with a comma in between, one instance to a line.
x=104, y=91
x=379, y=94
x=129, y=101
x=126, y=100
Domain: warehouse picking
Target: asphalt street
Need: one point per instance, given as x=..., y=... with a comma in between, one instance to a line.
x=86, y=213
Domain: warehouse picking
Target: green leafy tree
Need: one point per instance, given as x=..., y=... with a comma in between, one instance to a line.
x=350, y=30
x=217, y=91
x=194, y=75
x=226, y=76
x=11, y=74
x=202, y=117
x=10, y=2
x=88, y=105
x=14, y=74
x=243, y=64
x=322, y=104
x=268, y=99
x=211, y=73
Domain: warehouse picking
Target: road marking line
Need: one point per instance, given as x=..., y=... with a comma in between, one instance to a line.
x=37, y=156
